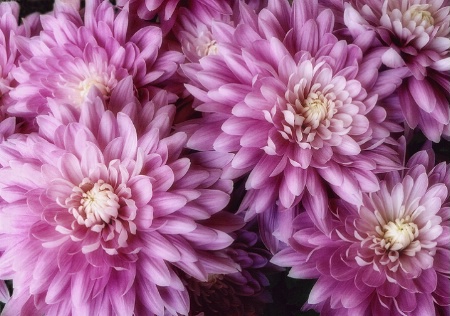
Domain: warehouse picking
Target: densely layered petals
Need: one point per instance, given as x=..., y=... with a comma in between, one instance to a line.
x=9, y=11
x=239, y=293
x=9, y=60
x=296, y=106
x=414, y=34
x=386, y=257
x=98, y=213
x=76, y=52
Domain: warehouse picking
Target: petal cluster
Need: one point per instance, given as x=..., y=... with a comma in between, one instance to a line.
x=299, y=111
x=239, y=293
x=385, y=257
x=75, y=52
x=414, y=34
x=107, y=211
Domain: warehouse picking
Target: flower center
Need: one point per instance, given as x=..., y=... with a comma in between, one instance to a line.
x=314, y=109
x=97, y=203
x=398, y=235
x=209, y=48
x=75, y=87
x=214, y=278
x=420, y=15
x=88, y=83
x=205, y=44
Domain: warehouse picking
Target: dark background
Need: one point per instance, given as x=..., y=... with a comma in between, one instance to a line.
x=30, y=6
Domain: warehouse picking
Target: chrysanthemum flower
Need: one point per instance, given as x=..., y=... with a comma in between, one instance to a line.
x=9, y=55
x=240, y=293
x=9, y=59
x=97, y=214
x=194, y=25
x=76, y=52
x=415, y=34
x=9, y=12
x=296, y=106
x=389, y=256
x=193, y=30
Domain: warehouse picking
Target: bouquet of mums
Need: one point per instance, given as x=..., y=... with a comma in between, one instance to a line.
x=225, y=157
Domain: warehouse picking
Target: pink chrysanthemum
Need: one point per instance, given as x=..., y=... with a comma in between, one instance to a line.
x=240, y=293
x=9, y=12
x=194, y=25
x=297, y=106
x=76, y=52
x=9, y=59
x=389, y=256
x=193, y=30
x=415, y=34
x=9, y=55
x=97, y=215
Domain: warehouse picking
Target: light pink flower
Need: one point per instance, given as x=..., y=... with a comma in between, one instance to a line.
x=193, y=31
x=98, y=214
x=9, y=11
x=76, y=52
x=414, y=34
x=296, y=106
x=387, y=257
x=194, y=24
x=9, y=60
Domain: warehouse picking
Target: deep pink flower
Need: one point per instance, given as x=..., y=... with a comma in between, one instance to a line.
x=98, y=214
x=297, y=107
x=76, y=52
x=414, y=34
x=387, y=257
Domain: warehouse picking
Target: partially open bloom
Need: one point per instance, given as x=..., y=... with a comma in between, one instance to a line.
x=389, y=256
x=194, y=24
x=415, y=34
x=97, y=214
x=193, y=30
x=76, y=52
x=299, y=111
x=239, y=293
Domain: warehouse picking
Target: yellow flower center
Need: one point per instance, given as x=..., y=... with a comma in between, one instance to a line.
x=88, y=83
x=398, y=235
x=420, y=15
x=314, y=109
x=209, y=48
x=98, y=204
